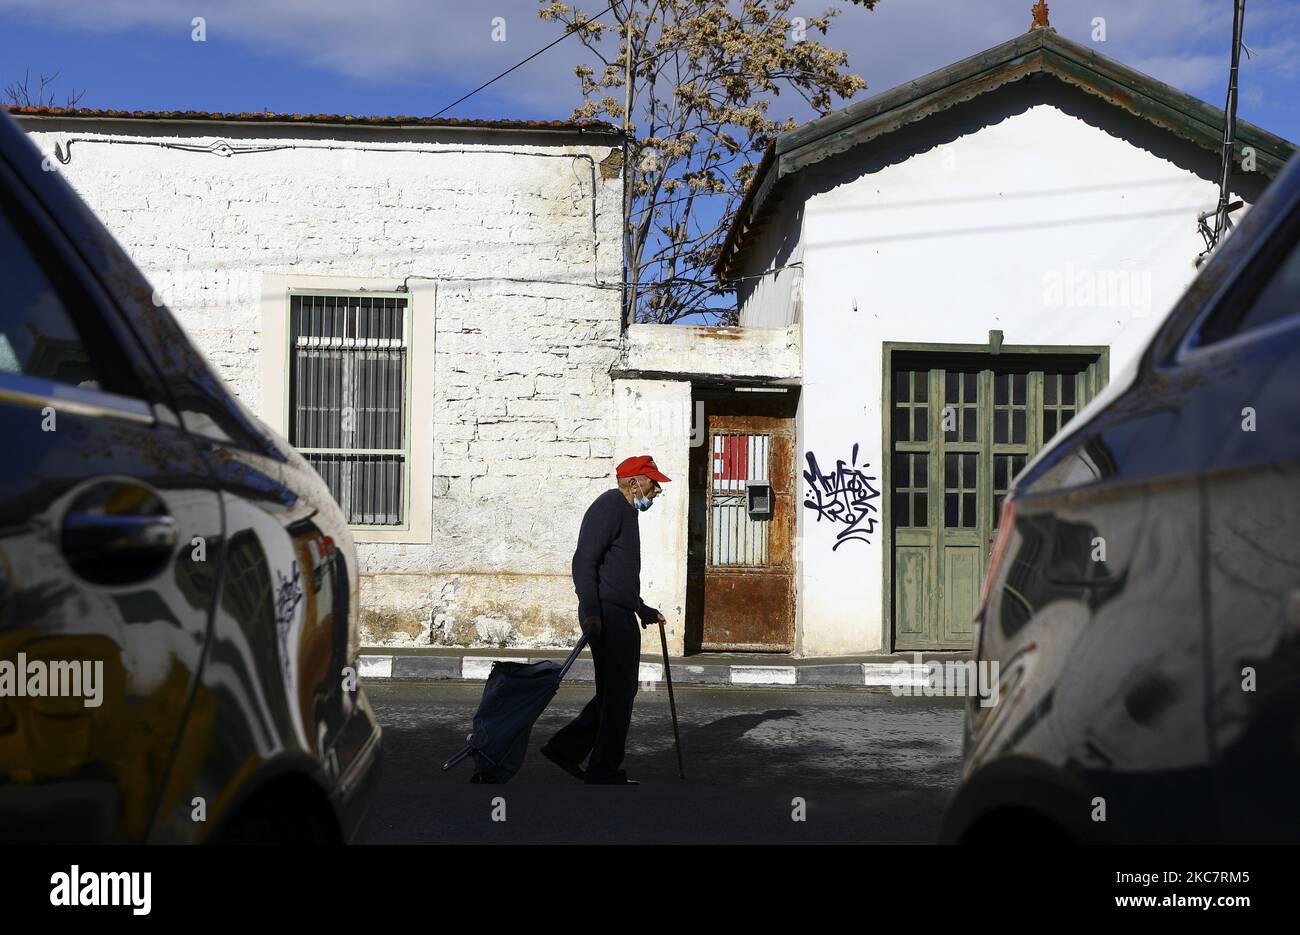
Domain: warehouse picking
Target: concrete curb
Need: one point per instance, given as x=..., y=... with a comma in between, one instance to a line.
x=899, y=677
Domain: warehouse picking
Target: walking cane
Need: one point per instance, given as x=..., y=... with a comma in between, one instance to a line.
x=672, y=704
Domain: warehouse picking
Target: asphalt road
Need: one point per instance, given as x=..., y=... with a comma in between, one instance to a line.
x=869, y=768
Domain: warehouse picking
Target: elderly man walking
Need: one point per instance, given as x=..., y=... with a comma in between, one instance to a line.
x=607, y=577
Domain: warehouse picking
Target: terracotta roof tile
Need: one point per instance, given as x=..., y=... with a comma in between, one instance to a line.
x=343, y=119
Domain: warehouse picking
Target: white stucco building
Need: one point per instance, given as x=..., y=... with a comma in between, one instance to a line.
x=967, y=258
x=930, y=281
x=450, y=288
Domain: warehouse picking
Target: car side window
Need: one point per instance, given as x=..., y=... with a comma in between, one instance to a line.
x=1277, y=300
x=47, y=332
x=37, y=336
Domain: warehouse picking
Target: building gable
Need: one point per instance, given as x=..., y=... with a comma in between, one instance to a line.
x=1041, y=51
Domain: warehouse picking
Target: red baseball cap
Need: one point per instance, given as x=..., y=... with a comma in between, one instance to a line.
x=642, y=464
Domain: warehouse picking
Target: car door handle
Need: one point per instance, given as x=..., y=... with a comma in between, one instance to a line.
x=86, y=533
x=118, y=533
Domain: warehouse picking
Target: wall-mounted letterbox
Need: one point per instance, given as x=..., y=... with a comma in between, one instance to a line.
x=758, y=499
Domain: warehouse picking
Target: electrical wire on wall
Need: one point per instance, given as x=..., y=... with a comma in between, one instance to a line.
x=63, y=153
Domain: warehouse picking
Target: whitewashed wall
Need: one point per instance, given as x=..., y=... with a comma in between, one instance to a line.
x=657, y=417
x=521, y=416
x=654, y=418
x=1010, y=224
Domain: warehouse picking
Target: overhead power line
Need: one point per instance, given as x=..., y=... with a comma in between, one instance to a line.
x=568, y=32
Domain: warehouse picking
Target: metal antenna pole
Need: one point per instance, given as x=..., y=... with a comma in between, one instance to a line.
x=628, y=250
x=1229, y=123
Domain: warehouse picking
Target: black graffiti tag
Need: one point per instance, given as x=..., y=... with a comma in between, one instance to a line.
x=843, y=496
x=288, y=594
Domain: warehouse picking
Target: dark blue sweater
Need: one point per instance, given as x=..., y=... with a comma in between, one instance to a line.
x=607, y=561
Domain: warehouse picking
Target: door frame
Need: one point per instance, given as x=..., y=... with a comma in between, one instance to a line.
x=725, y=402
x=1100, y=353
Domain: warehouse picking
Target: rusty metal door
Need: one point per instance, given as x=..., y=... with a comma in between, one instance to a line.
x=745, y=576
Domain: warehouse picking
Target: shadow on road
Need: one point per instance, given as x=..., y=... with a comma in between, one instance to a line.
x=855, y=767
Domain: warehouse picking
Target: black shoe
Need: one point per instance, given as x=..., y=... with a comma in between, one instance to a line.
x=618, y=779
x=573, y=769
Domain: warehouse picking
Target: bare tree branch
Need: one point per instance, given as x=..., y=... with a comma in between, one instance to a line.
x=19, y=93
x=704, y=74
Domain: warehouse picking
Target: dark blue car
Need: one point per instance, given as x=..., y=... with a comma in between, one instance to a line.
x=1143, y=597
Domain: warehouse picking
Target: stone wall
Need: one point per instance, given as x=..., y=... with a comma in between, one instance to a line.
x=517, y=232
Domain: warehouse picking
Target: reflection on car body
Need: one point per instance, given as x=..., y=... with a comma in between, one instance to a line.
x=152, y=527
x=1143, y=600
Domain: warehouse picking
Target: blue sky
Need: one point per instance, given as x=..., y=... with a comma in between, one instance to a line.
x=416, y=56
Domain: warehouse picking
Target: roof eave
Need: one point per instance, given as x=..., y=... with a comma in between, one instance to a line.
x=199, y=118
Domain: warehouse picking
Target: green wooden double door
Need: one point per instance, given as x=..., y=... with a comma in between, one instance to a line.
x=962, y=426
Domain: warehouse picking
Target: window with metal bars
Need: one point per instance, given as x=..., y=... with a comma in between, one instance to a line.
x=348, y=378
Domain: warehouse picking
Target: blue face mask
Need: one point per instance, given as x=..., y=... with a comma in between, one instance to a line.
x=640, y=502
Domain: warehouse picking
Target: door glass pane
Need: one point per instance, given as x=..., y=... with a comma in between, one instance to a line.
x=951, y=484
x=1005, y=468
x=901, y=500
x=910, y=412
x=902, y=424
x=961, y=406
x=1001, y=426
x=961, y=472
x=1059, y=400
x=909, y=480
x=902, y=485
x=734, y=537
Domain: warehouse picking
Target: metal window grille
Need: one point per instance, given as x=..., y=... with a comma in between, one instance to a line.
x=347, y=399
x=735, y=538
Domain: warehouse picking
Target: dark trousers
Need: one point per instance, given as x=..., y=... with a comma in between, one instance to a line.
x=601, y=729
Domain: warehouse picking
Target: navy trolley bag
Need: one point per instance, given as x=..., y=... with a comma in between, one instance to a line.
x=514, y=698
